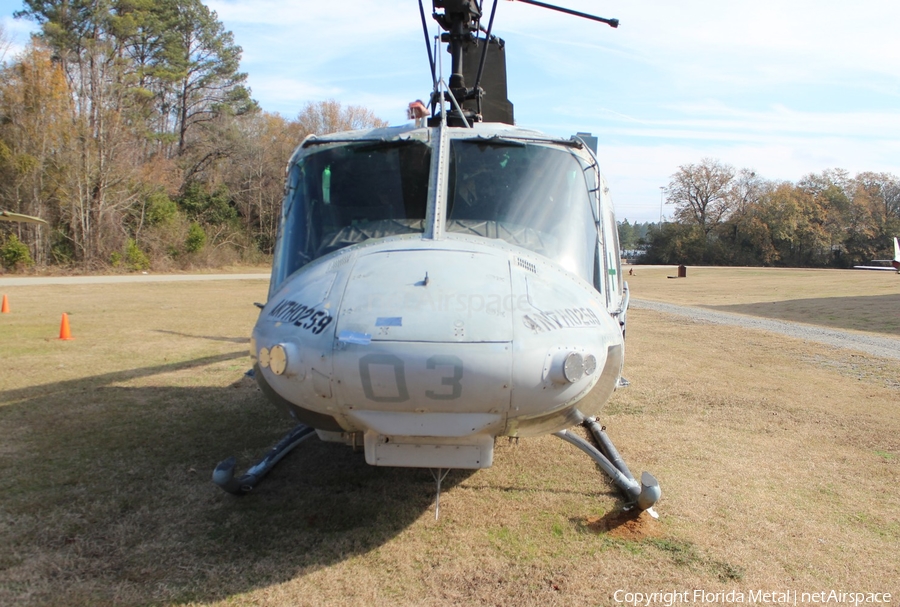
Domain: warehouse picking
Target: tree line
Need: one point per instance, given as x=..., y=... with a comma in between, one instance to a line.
x=128, y=127
x=724, y=216
x=633, y=235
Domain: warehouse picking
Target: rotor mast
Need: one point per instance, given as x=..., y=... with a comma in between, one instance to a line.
x=459, y=20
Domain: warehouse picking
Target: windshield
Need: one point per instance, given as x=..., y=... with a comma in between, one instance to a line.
x=347, y=194
x=533, y=196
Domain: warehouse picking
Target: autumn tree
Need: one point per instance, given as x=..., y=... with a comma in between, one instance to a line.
x=256, y=178
x=35, y=135
x=880, y=193
x=103, y=152
x=137, y=72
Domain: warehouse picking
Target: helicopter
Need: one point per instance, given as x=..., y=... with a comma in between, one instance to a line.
x=438, y=285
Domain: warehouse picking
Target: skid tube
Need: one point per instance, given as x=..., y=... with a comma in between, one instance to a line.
x=223, y=475
x=644, y=495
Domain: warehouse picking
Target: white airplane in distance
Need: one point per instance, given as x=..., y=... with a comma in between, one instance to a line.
x=895, y=262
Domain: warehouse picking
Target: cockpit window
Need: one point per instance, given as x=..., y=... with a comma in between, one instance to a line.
x=534, y=196
x=346, y=194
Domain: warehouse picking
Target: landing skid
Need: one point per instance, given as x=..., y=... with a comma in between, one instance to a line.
x=223, y=475
x=643, y=495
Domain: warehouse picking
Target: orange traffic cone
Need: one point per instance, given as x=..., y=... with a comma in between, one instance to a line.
x=5, y=308
x=64, y=332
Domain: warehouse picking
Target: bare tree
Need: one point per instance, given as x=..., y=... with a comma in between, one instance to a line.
x=328, y=116
x=5, y=43
x=702, y=193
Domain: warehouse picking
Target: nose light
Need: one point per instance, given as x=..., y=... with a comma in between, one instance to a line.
x=573, y=367
x=569, y=365
x=590, y=364
x=278, y=359
x=283, y=359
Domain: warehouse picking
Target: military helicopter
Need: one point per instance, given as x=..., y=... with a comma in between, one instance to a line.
x=436, y=286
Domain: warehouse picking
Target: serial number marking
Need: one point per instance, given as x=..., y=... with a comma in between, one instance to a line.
x=567, y=318
x=301, y=315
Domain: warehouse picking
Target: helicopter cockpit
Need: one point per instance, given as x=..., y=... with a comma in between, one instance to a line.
x=531, y=194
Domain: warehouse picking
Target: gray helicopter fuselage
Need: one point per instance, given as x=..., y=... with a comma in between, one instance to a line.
x=434, y=288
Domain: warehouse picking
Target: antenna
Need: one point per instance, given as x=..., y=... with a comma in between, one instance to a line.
x=428, y=46
x=568, y=11
x=487, y=40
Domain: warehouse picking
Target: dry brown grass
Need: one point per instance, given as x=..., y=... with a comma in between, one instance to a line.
x=779, y=462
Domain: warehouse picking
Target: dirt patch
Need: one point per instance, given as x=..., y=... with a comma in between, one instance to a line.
x=625, y=525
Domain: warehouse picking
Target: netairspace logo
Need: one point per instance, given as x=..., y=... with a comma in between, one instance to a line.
x=751, y=597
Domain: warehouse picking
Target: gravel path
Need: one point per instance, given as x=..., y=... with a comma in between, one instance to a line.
x=885, y=347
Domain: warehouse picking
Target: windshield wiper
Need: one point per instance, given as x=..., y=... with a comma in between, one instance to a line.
x=383, y=145
x=495, y=140
x=521, y=141
x=375, y=143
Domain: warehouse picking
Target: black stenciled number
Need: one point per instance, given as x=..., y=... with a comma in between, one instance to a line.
x=302, y=316
x=399, y=377
x=298, y=320
x=322, y=324
x=448, y=380
x=313, y=319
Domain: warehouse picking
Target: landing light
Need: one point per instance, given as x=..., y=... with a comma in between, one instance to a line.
x=590, y=364
x=282, y=359
x=571, y=367
x=278, y=359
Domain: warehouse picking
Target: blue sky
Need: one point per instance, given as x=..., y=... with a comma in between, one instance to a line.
x=782, y=87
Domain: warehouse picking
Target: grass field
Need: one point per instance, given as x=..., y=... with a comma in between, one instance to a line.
x=779, y=462
x=858, y=300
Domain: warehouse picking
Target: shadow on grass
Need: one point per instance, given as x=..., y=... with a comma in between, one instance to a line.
x=109, y=497
x=873, y=313
x=234, y=340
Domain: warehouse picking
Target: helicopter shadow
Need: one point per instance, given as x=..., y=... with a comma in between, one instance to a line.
x=872, y=313
x=233, y=340
x=112, y=484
